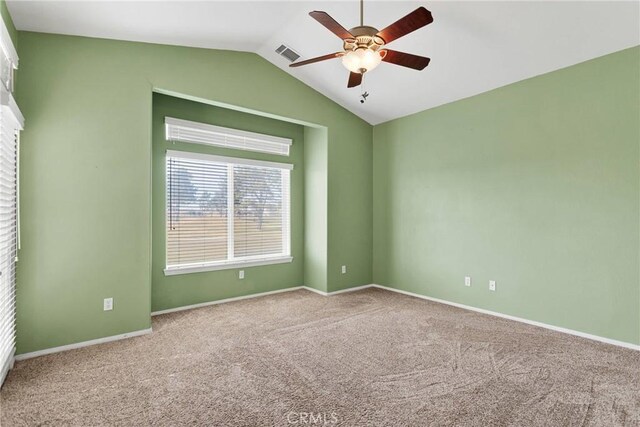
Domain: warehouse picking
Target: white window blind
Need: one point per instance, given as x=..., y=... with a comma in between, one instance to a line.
x=10, y=124
x=202, y=133
x=224, y=212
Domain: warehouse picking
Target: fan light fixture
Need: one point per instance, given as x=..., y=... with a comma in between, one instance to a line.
x=361, y=60
x=365, y=47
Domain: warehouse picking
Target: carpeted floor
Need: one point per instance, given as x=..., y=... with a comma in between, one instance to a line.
x=370, y=357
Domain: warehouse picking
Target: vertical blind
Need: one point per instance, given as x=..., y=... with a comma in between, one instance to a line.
x=224, y=211
x=10, y=124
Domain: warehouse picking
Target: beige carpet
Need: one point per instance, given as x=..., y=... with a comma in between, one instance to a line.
x=370, y=357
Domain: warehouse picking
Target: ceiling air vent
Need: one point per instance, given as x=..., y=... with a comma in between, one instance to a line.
x=288, y=53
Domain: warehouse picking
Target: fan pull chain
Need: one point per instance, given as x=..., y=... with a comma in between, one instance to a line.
x=364, y=94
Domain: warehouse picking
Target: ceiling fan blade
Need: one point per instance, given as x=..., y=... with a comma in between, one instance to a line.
x=406, y=59
x=403, y=26
x=331, y=24
x=317, y=59
x=354, y=79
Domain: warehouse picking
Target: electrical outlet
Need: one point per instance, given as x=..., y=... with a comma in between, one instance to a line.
x=344, y=269
x=108, y=304
x=241, y=274
x=467, y=281
x=492, y=285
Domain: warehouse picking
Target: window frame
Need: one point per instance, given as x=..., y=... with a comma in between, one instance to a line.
x=232, y=262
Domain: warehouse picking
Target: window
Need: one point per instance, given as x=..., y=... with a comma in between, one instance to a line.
x=202, y=133
x=224, y=212
x=11, y=122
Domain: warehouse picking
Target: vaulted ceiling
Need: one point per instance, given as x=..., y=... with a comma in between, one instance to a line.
x=474, y=46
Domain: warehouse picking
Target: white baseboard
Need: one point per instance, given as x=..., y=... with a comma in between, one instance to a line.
x=517, y=319
x=317, y=291
x=73, y=346
x=8, y=364
x=226, y=300
x=261, y=294
x=33, y=354
x=341, y=291
x=295, y=288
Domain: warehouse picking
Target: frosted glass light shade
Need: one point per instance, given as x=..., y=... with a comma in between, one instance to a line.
x=361, y=59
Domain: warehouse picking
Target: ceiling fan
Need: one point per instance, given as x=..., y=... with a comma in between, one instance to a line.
x=364, y=46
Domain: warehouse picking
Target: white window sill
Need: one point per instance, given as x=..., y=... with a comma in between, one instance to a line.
x=199, y=268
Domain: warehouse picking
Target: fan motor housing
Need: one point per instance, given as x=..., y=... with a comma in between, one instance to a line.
x=364, y=30
x=365, y=38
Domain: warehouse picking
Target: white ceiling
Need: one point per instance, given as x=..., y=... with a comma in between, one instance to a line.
x=474, y=46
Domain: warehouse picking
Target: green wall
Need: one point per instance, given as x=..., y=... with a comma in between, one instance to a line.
x=315, y=213
x=350, y=193
x=534, y=185
x=186, y=289
x=86, y=174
